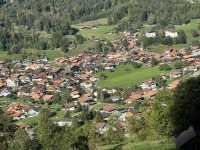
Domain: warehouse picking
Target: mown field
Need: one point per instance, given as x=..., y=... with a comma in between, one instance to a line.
x=126, y=76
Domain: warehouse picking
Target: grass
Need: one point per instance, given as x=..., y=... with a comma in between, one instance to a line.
x=141, y=145
x=51, y=54
x=193, y=25
x=97, y=28
x=5, y=56
x=93, y=23
x=82, y=47
x=103, y=32
x=159, y=48
x=150, y=145
x=126, y=76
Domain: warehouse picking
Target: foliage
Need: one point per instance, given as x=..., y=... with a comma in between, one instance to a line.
x=185, y=110
x=157, y=118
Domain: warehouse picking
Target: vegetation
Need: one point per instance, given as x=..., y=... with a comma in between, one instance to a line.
x=125, y=76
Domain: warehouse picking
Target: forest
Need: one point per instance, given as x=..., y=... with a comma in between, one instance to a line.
x=43, y=24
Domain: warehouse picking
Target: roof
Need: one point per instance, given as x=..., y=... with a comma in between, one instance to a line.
x=150, y=93
x=47, y=97
x=109, y=108
x=135, y=96
x=100, y=125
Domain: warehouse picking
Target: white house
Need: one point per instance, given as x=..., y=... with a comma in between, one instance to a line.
x=150, y=34
x=171, y=34
x=5, y=92
x=10, y=83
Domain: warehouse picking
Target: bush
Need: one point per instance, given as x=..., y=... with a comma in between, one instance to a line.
x=195, y=33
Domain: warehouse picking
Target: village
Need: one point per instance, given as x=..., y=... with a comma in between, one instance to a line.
x=72, y=83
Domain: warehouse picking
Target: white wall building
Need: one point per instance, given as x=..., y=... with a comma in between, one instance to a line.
x=150, y=34
x=171, y=34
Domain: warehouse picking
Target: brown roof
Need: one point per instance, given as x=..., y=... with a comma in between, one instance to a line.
x=109, y=108
x=36, y=95
x=47, y=97
x=135, y=96
x=150, y=93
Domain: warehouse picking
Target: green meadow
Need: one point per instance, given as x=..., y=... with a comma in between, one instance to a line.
x=125, y=76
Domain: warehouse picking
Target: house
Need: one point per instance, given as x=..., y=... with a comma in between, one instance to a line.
x=175, y=74
x=101, y=127
x=5, y=92
x=171, y=34
x=2, y=83
x=173, y=84
x=36, y=95
x=149, y=84
x=115, y=99
x=109, y=108
x=47, y=98
x=71, y=106
x=32, y=113
x=124, y=116
x=150, y=34
x=149, y=93
x=75, y=94
x=135, y=96
x=11, y=83
x=62, y=123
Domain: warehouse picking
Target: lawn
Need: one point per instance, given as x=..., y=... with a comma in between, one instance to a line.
x=126, y=76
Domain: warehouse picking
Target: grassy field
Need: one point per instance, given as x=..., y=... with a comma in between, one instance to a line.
x=51, y=54
x=159, y=48
x=97, y=28
x=93, y=23
x=126, y=76
x=193, y=25
x=82, y=47
x=142, y=145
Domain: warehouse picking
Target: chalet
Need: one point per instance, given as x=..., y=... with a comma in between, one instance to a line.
x=75, y=94
x=109, y=108
x=4, y=92
x=150, y=93
x=176, y=74
x=174, y=84
x=150, y=34
x=115, y=99
x=101, y=127
x=171, y=34
x=135, y=96
x=149, y=84
x=86, y=99
x=37, y=95
x=48, y=98
x=70, y=106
